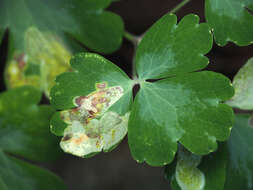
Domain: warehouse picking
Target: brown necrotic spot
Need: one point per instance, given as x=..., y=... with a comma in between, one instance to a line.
x=67, y=137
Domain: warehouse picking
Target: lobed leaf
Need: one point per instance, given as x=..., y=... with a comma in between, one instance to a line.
x=231, y=21
x=168, y=48
x=186, y=108
x=95, y=98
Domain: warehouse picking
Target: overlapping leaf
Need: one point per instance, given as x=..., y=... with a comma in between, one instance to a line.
x=231, y=20
x=243, y=84
x=213, y=167
x=16, y=174
x=240, y=162
x=95, y=98
x=24, y=132
x=84, y=20
x=185, y=107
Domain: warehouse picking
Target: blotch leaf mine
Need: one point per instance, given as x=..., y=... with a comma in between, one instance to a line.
x=231, y=21
x=96, y=109
x=184, y=106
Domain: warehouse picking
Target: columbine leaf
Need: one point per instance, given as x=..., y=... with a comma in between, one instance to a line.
x=24, y=132
x=185, y=107
x=231, y=20
x=168, y=48
x=243, y=84
x=95, y=98
x=24, y=126
x=212, y=168
x=43, y=58
x=240, y=164
x=82, y=19
x=19, y=175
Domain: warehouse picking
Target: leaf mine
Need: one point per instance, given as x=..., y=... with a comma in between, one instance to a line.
x=91, y=127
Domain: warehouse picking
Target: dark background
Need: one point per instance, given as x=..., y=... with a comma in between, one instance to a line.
x=117, y=170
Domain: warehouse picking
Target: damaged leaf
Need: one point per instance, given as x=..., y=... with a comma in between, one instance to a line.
x=231, y=21
x=184, y=106
x=243, y=84
x=96, y=107
x=44, y=57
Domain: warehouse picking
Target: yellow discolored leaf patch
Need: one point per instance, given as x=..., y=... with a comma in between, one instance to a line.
x=43, y=58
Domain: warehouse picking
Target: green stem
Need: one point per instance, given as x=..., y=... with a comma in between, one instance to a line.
x=179, y=6
x=132, y=38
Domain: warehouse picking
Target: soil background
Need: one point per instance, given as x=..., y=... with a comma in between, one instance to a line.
x=117, y=170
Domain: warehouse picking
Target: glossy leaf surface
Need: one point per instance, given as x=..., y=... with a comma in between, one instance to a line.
x=243, y=85
x=19, y=175
x=168, y=48
x=231, y=20
x=183, y=108
x=24, y=126
x=95, y=98
x=82, y=19
x=240, y=164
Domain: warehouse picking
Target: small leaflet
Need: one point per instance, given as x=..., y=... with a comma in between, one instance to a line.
x=188, y=176
x=91, y=127
x=243, y=85
x=43, y=58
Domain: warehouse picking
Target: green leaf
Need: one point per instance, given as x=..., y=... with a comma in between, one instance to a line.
x=186, y=108
x=168, y=48
x=24, y=126
x=243, y=85
x=95, y=98
x=19, y=175
x=213, y=166
x=231, y=21
x=1, y=37
x=240, y=164
x=82, y=19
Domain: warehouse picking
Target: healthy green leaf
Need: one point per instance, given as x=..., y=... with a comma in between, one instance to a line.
x=24, y=126
x=168, y=48
x=19, y=175
x=95, y=98
x=240, y=163
x=243, y=85
x=231, y=21
x=82, y=19
x=185, y=107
